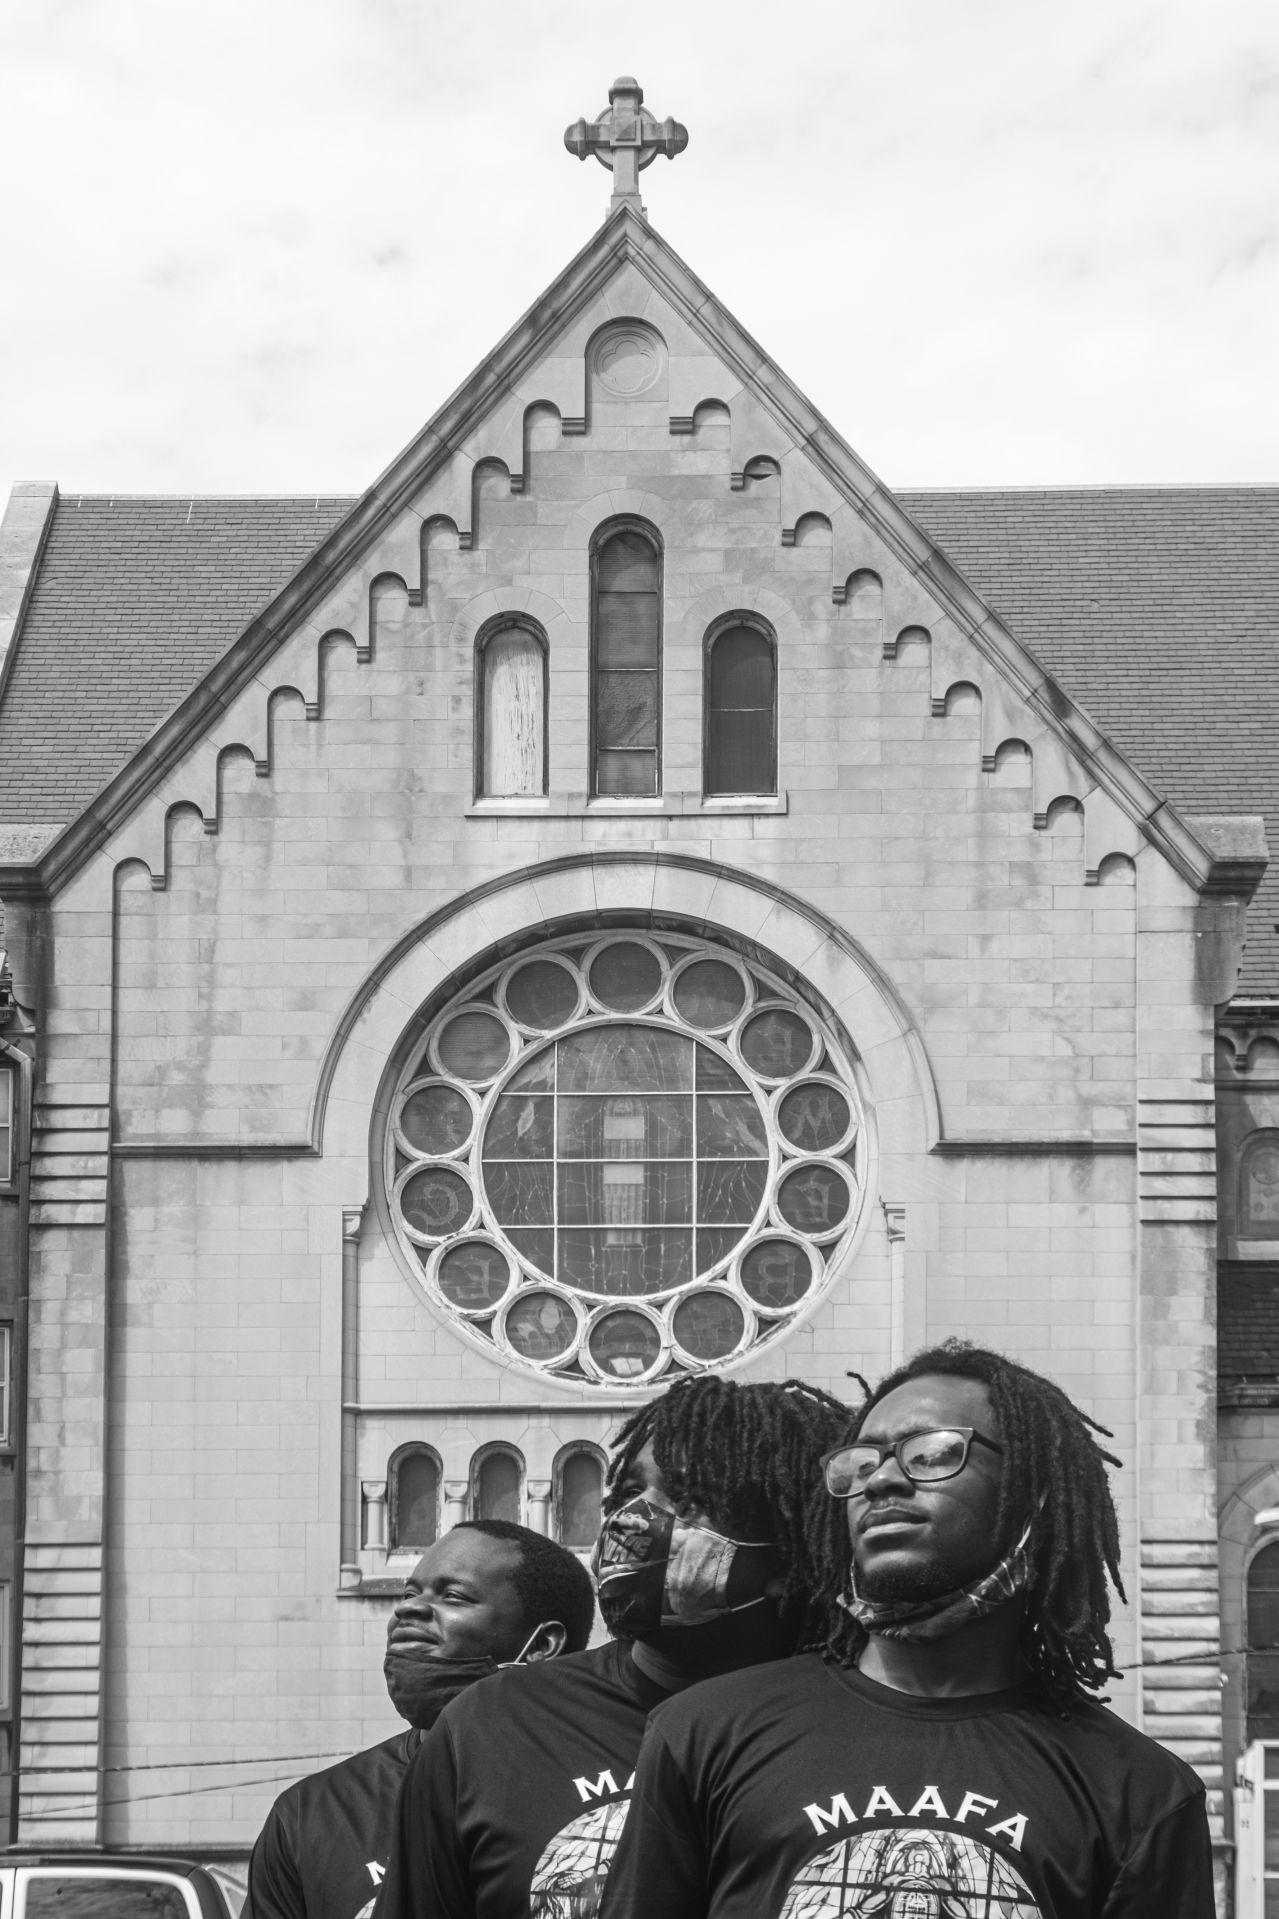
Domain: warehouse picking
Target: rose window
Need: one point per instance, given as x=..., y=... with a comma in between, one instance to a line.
x=619, y=1156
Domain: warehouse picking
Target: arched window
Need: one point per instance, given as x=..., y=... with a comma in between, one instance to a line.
x=8, y=1087
x=579, y=1492
x=413, y=1496
x=497, y=1486
x=1259, y=1187
x=626, y=661
x=741, y=711
x=1263, y=1645
x=512, y=712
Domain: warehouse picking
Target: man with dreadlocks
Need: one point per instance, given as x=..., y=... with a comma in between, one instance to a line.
x=515, y=1802
x=941, y=1754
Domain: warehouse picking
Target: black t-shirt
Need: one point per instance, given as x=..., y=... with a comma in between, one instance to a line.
x=800, y=1791
x=322, y=1851
x=514, y=1804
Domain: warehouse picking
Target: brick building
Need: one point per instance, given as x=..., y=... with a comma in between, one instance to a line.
x=630, y=892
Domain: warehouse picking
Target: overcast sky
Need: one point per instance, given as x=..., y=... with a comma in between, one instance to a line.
x=251, y=247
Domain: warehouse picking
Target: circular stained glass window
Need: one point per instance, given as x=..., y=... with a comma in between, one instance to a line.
x=624, y=1157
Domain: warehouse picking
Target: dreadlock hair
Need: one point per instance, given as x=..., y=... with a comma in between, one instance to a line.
x=1054, y=1475
x=749, y=1456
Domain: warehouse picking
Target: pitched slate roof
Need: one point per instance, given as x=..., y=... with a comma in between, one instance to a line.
x=135, y=600
x=1157, y=609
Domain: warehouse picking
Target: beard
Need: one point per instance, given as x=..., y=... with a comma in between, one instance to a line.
x=931, y=1577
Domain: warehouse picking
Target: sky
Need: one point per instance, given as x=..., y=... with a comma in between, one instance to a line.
x=251, y=248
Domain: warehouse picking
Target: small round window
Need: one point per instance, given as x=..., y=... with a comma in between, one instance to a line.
x=618, y=1157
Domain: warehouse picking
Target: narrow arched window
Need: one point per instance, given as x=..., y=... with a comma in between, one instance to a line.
x=1259, y=1187
x=413, y=1497
x=626, y=662
x=741, y=711
x=579, y=1496
x=497, y=1487
x=512, y=710
x=1263, y=1644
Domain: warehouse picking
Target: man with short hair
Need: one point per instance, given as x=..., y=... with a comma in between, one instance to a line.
x=488, y=1594
x=513, y=1806
x=943, y=1755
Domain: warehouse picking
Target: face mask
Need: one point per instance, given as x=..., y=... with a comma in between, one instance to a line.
x=920, y=1619
x=420, y=1686
x=655, y=1570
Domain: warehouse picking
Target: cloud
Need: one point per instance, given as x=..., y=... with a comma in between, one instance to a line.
x=258, y=245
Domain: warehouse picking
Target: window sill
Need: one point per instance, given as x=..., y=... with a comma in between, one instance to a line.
x=1260, y=1250
x=567, y=806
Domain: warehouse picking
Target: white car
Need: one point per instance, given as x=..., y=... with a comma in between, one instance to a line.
x=105, y=1885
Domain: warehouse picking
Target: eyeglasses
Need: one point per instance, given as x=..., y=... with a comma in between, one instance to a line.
x=925, y=1458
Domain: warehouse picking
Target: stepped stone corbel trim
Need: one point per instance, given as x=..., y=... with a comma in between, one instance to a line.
x=1177, y=1156
x=68, y=1164
x=59, y=1752
x=1181, y=1655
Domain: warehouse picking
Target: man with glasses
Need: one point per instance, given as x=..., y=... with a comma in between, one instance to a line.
x=946, y=1755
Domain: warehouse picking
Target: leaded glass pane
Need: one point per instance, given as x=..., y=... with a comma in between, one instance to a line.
x=474, y=1046
x=776, y=1043
x=541, y=1326
x=473, y=1276
x=776, y=1274
x=624, y=1264
x=537, y=1248
x=730, y=1191
x=1263, y=1696
x=436, y=1202
x=417, y=1502
x=436, y=1119
x=520, y=1194
x=536, y=1075
x=625, y=1059
x=814, y=1200
x=627, y=563
x=729, y=1126
x=741, y=721
x=624, y=1344
x=708, y=1326
x=656, y=1126
x=542, y=995
x=626, y=775
x=625, y=1193
x=715, y=1243
x=715, y=1074
x=581, y=1494
x=498, y=1491
x=628, y=625
x=626, y=710
x=521, y=1126
x=709, y=993
x=625, y=976
x=814, y=1118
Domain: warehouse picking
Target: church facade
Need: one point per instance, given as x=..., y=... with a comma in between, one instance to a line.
x=621, y=897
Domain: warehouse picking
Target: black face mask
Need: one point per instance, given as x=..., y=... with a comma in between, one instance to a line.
x=420, y=1687
x=655, y=1570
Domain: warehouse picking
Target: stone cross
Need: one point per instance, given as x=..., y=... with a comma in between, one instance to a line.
x=627, y=139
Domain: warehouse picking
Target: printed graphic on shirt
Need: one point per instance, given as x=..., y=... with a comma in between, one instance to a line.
x=909, y=1872
x=569, y=1880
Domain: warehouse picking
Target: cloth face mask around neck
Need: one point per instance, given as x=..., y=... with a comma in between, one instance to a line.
x=917, y=1619
x=654, y=1570
x=420, y=1687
